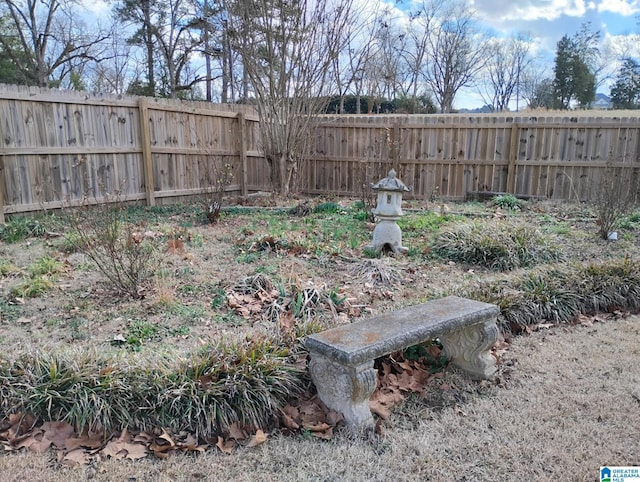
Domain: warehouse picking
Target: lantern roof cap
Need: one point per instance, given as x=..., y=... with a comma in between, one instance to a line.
x=390, y=183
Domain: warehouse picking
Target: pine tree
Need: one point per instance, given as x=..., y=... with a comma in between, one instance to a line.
x=625, y=93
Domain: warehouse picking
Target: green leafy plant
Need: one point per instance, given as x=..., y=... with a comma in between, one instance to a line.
x=508, y=201
x=45, y=266
x=141, y=331
x=9, y=311
x=33, y=287
x=243, y=380
x=327, y=207
x=7, y=269
x=219, y=299
x=21, y=227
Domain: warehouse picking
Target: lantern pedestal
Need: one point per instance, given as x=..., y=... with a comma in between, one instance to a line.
x=387, y=236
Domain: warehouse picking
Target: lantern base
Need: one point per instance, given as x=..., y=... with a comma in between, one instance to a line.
x=387, y=237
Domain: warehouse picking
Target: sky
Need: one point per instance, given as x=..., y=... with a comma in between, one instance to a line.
x=545, y=21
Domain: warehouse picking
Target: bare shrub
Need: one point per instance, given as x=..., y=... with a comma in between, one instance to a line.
x=219, y=176
x=120, y=249
x=367, y=174
x=616, y=195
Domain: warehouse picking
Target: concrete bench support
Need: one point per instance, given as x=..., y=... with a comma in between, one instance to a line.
x=341, y=363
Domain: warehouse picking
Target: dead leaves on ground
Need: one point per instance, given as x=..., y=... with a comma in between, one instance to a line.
x=19, y=432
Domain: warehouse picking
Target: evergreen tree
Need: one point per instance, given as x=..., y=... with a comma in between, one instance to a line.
x=574, y=69
x=12, y=56
x=625, y=93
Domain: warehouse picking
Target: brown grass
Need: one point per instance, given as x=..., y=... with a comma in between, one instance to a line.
x=566, y=401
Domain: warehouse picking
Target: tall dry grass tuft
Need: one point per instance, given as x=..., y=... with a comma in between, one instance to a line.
x=561, y=294
x=502, y=246
x=243, y=380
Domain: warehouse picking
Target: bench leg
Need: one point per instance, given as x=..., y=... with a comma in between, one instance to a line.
x=345, y=389
x=470, y=348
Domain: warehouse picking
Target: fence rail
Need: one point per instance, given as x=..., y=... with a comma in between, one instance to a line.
x=59, y=147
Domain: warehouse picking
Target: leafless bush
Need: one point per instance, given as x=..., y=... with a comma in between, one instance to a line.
x=121, y=250
x=367, y=174
x=219, y=176
x=616, y=195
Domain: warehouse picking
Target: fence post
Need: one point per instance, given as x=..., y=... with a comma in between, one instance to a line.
x=1, y=190
x=147, y=160
x=513, y=156
x=242, y=146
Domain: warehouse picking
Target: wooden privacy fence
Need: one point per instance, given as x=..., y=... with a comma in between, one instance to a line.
x=62, y=147
x=546, y=155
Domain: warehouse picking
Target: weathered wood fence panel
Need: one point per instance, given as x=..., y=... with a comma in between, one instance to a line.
x=553, y=156
x=63, y=147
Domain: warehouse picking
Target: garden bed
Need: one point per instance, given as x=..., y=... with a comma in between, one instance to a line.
x=257, y=281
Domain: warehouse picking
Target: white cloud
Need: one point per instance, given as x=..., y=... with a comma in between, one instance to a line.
x=99, y=8
x=551, y=10
x=531, y=10
x=621, y=7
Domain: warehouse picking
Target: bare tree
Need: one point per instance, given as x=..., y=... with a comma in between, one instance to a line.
x=457, y=50
x=177, y=34
x=113, y=74
x=505, y=68
x=348, y=66
x=52, y=38
x=416, y=50
x=287, y=61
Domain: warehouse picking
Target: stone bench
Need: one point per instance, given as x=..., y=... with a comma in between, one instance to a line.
x=341, y=359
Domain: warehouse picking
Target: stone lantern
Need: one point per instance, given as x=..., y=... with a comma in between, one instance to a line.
x=387, y=235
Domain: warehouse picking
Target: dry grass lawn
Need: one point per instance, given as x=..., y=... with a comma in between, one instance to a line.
x=566, y=402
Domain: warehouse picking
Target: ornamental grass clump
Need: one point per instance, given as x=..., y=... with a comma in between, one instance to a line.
x=246, y=381
x=561, y=294
x=502, y=246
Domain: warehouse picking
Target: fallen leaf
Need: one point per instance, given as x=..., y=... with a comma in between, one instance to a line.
x=57, y=432
x=326, y=435
x=236, y=432
x=259, y=438
x=75, y=457
x=379, y=409
x=225, y=446
x=319, y=427
x=167, y=437
x=39, y=443
x=289, y=422
x=136, y=451
x=334, y=418
x=459, y=411
x=287, y=322
x=114, y=449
